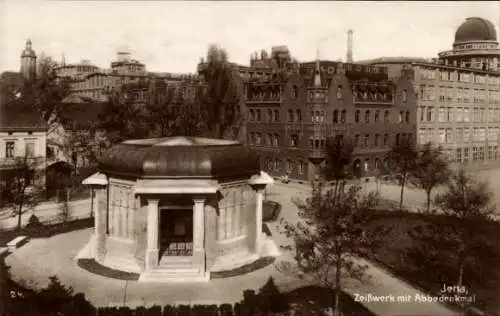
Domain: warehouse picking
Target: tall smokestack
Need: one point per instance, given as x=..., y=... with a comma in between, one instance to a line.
x=349, y=46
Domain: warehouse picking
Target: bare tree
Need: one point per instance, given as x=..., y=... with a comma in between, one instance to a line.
x=402, y=160
x=331, y=233
x=465, y=200
x=22, y=192
x=431, y=170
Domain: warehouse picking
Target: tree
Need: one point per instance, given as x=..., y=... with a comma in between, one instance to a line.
x=47, y=92
x=331, y=233
x=221, y=102
x=338, y=155
x=121, y=120
x=22, y=191
x=402, y=160
x=431, y=170
x=466, y=201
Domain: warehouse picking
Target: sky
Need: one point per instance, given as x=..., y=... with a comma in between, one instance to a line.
x=172, y=36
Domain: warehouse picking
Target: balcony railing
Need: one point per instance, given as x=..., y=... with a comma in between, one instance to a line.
x=18, y=162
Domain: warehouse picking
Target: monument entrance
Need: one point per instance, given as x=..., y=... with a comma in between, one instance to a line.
x=176, y=232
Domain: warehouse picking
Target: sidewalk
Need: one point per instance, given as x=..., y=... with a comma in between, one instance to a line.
x=47, y=212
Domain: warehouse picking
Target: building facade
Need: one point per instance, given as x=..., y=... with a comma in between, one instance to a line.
x=458, y=95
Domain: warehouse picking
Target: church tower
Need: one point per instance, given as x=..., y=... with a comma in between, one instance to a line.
x=28, y=62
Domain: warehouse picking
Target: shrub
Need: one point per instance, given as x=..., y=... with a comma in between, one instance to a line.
x=184, y=310
x=226, y=310
x=34, y=222
x=125, y=311
x=154, y=310
x=168, y=310
x=140, y=311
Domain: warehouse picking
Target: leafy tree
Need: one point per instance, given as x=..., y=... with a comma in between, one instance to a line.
x=465, y=200
x=221, y=102
x=47, y=92
x=338, y=155
x=331, y=233
x=22, y=190
x=402, y=160
x=121, y=120
x=431, y=170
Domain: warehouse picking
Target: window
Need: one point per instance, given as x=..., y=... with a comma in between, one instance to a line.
x=377, y=114
x=335, y=116
x=9, y=149
x=376, y=141
x=290, y=116
x=258, y=117
x=257, y=139
x=386, y=116
x=276, y=115
x=356, y=140
x=343, y=115
x=367, y=140
x=294, y=92
x=356, y=116
x=367, y=116
x=294, y=140
x=386, y=140
x=269, y=140
x=398, y=138
x=407, y=117
x=30, y=148
x=429, y=114
x=405, y=95
x=252, y=115
x=276, y=164
x=276, y=140
x=270, y=115
x=298, y=116
x=400, y=117
x=289, y=165
x=339, y=92
x=301, y=167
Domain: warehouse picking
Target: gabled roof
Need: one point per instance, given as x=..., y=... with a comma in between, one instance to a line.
x=17, y=117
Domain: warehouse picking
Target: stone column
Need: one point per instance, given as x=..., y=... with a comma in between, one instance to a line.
x=152, y=246
x=198, y=224
x=199, y=233
x=100, y=206
x=259, y=194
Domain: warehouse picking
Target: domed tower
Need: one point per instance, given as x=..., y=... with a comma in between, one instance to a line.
x=475, y=46
x=28, y=62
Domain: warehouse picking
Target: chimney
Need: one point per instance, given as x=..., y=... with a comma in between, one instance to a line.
x=349, y=47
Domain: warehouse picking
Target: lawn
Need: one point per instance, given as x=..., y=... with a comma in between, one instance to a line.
x=411, y=259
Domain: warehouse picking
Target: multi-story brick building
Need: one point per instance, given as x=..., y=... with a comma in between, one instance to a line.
x=290, y=119
x=458, y=95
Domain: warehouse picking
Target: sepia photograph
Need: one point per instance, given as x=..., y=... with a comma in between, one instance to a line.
x=241, y=158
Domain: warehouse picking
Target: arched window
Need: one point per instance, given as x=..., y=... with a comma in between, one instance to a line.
x=356, y=116
x=335, y=116
x=276, y=140
x=343, y=116
x=316, y=143
x=298, y=116
x=407, y=116
x=276, y=115
x=367, y=116
x=289, y=165
x=377, y=116
x=386, y=116
x=252, y=115
x=290, y=116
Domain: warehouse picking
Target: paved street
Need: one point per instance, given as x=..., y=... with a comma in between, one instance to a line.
x=41, y=258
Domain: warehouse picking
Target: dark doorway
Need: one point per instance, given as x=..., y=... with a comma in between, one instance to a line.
x=176, y=232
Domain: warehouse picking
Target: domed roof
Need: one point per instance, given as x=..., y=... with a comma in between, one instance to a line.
x=28, y=51
x=180, y=157
x=476, y=29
